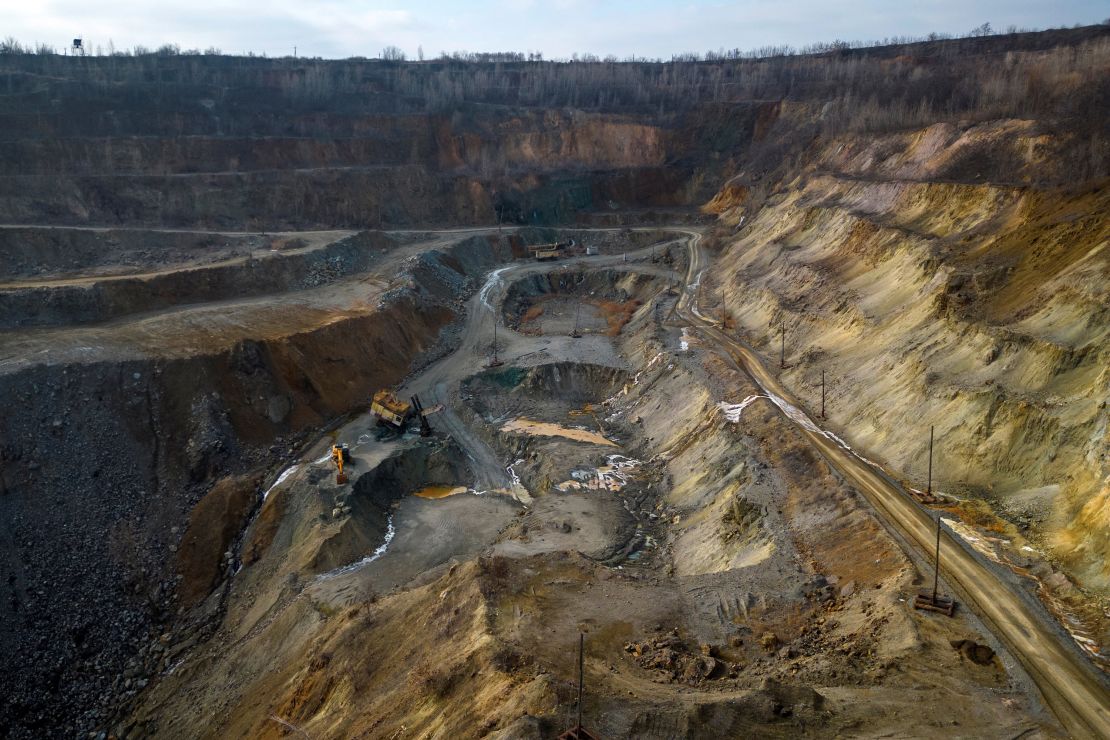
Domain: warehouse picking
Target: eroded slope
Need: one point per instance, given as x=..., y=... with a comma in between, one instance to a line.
x=977, y=308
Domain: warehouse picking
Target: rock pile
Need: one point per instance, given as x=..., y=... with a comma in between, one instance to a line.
x=670, y=655
x=973, y=651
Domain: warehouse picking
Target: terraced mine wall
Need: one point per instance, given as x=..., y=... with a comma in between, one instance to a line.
x=979, y=307
x=359, y=171
x=219, y=142
x=928, y=215
x=39, y=252
x=100, y=300
x=103, y=462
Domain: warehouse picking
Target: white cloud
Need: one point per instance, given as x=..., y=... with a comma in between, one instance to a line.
x=338, y=28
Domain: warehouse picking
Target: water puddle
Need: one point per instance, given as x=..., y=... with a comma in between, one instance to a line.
x=435, y=492
x=548, y=429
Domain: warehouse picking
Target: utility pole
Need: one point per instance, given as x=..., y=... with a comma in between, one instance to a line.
x=294, y=52
x=494, y=361
x=822, y=394
x=929, y=488
x=782, y=353
x=581, y=676
x=933, y=601
x=936, y=571
x=578, y=732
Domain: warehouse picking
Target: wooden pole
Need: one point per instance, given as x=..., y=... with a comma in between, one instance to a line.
x=822, y=394
x=782, y=355
x=494, y=362
x=936, y=572
x=929, y=488
x=581, y=682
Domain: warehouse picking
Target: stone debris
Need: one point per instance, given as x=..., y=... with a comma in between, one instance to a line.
x=973, y=651
x=672, y=656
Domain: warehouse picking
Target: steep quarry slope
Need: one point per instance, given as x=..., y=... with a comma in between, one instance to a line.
x=215, y=142
x=927, y=219
x=708, y=574
x=979, y=308
x=118, y=428
x=223, y=144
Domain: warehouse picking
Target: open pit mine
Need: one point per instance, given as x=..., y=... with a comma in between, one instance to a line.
x=753, y=397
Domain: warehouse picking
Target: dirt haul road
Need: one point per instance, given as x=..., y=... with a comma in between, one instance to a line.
x=1076, y=694
x=186, y=329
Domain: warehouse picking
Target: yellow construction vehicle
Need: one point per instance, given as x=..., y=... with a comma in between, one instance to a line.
x=389, y=409
x=340, y=454
x=553, y=251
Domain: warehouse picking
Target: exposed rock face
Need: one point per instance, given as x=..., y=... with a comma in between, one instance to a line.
x=105, y=460
x=214, y=523
x=391, y=170
x=980, y=308
x=939, y=271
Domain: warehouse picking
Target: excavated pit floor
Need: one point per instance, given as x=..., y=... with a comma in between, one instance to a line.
x=549, y=419
x=564, y=302
x=423, y=500
x=702, y=556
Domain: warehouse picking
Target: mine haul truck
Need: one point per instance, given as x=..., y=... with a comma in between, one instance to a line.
x=545, y=252
x=390, y=410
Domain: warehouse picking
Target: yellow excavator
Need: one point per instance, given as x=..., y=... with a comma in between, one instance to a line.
x=340, y=454
x=390, y=410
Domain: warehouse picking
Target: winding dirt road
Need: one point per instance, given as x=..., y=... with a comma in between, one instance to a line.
x=441, y=380
x=1069, y=684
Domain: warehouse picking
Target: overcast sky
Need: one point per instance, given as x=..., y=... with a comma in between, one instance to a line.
x=558, y=28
